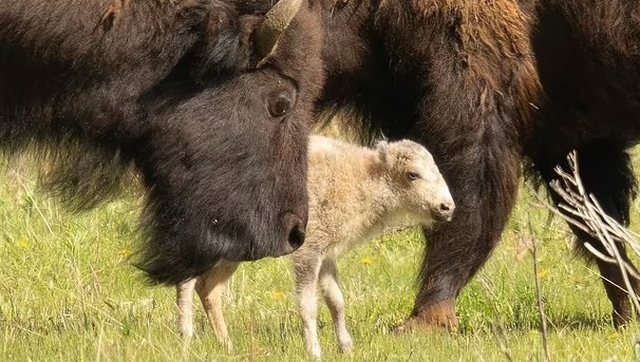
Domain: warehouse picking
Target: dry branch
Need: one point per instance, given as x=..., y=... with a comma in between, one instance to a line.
x=583, y=211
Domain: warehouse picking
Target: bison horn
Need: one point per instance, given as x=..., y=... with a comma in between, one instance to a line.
x=275, y=23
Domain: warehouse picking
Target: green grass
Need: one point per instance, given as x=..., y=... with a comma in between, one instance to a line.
x=68, y=292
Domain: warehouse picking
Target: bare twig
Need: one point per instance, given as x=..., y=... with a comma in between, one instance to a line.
x=583, y=211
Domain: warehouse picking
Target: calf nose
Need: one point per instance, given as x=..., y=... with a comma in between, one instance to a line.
x=444, y=211
x=294, y=233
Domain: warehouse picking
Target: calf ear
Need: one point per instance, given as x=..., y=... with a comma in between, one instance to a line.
x=275, y=23
x=381, y=147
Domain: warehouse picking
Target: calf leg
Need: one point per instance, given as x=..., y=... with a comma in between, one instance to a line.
x=210, y=287
x=185, y=307
x=306, y=272
x=605, y=170
x=335, y=301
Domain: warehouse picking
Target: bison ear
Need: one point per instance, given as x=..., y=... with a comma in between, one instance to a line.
x=275, y=23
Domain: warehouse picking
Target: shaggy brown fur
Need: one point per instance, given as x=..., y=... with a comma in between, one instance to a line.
x=589, y=60
x=460, y=77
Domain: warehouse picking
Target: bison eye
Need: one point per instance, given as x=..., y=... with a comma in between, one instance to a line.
x=413, y=175
x=279, y=104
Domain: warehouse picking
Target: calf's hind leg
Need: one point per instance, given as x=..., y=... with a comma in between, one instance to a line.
x=335, y=301
x=210, y=287
x=605, y=170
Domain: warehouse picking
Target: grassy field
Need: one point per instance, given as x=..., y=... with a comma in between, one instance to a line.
x=68, y=292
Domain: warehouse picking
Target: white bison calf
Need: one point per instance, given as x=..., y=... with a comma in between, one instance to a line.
x=355, y=193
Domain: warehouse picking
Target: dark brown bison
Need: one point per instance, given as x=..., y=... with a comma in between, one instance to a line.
x=462, y=77
x=588, y=53
x=209, y=103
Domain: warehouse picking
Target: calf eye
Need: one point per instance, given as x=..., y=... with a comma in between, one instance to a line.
x=279, y=104
x=413, y=175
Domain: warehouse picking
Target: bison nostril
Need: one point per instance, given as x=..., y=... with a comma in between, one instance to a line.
x=296, y=236
x=294, y=229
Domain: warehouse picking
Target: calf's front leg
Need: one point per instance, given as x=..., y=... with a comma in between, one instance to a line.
x=335, y=301
x=306, y=273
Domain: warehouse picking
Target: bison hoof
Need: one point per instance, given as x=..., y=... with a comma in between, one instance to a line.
x=439, y=316
x=620, y=320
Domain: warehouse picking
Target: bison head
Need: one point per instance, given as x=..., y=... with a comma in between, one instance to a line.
x=226, y=163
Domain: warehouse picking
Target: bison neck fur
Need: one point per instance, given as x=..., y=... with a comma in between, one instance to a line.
x=72, y=86
x=216, y=131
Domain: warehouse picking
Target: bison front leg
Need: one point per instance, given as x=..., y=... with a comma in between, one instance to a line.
x=484, y=182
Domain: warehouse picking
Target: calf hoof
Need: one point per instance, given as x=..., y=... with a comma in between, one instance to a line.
x=314, y=350
x=315, y=353
x=228, y=345
x=346, y=344
x=186, y=331
x=439, y=316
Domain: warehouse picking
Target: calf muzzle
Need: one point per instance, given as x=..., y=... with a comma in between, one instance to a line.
x=443, y=211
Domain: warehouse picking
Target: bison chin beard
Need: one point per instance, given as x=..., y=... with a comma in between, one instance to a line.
x=174, y=253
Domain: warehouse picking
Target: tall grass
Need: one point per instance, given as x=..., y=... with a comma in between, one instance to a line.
x=68, y=292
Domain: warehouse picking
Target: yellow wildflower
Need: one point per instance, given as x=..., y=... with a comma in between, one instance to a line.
x=543, y=274
x=22, y=244
x=125, y=253
x=278, y=296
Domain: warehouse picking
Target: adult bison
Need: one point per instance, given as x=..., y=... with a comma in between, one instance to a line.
x=461, y=77
x=209, y=103
x=588, y=53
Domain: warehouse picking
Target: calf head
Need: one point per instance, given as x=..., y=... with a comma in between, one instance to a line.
x=415, y=181
x=226, y=166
